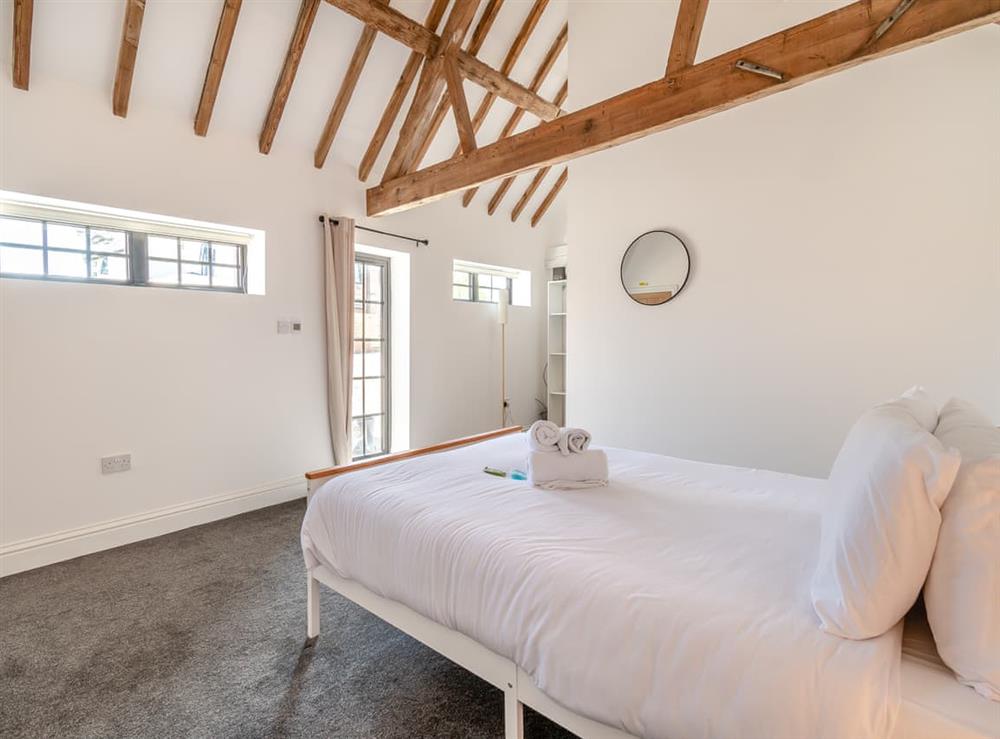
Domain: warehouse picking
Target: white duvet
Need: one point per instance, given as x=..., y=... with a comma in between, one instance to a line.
x=672, y=603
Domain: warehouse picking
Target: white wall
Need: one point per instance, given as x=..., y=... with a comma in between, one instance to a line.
x=845, y=241
x=209, y=399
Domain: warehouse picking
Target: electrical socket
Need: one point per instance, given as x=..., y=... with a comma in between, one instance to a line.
x=116, y=463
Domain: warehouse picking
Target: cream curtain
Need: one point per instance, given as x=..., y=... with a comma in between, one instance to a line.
x=339, y=270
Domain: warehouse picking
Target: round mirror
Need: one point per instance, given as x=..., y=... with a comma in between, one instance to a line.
x=655, y=268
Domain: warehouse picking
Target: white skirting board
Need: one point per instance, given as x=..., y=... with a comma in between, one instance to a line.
x=27, y=554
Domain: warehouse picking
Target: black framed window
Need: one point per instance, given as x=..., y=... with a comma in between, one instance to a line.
x=478, y=287
x=370, y=401
x=45, y=249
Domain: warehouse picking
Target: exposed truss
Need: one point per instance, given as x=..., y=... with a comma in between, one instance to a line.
x=835, y=41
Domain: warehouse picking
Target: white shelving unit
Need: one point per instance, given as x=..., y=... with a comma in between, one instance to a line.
x=556, y=347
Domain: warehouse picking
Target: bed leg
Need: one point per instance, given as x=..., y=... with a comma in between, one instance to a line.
x=312, y=607
x=513, y=714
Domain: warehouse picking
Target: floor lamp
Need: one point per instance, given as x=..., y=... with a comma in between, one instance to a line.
x=503, y=300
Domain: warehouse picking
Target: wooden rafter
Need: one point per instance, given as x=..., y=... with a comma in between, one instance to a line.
x=687, y=33
x=548, y=199
x=216, y=64
x=540, y=74
x=430, y=87
x=23, y=12
x=346, y=92
x=533, y=186
x=399, y=93
x=459, y=105
x=410, y=33
x=534, y=14
x=127, y=51
x=282, y=88
x=498, y=196
x=835, y=41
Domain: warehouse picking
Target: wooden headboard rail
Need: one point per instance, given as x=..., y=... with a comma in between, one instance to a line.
x=388, y=458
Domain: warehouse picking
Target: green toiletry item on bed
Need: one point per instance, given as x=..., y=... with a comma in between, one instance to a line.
x=495, y=472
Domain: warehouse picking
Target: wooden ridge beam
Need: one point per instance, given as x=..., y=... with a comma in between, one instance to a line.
x=128, y=49
x=24, y=11
x=399, y=93
x=478, y=38
x=216, y=64
x=687, y=34
x=283, y=87
x=410, y=33
x=822, y=46
x=429, y=89
x=357, y=64
x=540, y=74
x=543, y=207
x=498, y=196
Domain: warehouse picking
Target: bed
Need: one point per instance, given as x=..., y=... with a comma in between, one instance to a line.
x=673, y=603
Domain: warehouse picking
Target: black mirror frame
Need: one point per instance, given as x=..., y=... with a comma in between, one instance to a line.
x=621, y=267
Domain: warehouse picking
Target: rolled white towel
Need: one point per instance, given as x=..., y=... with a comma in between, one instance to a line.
x=573, y=441
x=543, y=436
x=588, y=469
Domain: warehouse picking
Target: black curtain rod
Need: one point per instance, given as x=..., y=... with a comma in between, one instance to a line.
x=418, y=242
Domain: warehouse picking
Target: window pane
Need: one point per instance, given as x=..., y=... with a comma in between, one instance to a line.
x=358, y=320
x=162, y=273
x=373, y=358
x=163, y=247
x=108, y=268
x=67, y=264
x=14, y=261
x=460, y=293
x=357, y=363
x=461, y=278
x=66, y=237
x=21, y=231
x=194, y=274
x=487, y=295
x=373, y=435
x=359, y=272
x=373, y=282
x=357, y=437
x=225, y=254
x=195, y=251
x=107, y=241
x=373, y=321
x=225, y=277
x=357, y=402
x=373, y=396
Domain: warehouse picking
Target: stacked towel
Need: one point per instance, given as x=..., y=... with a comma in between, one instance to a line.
x=543, y=436
x=550, y=471
x=574, y=466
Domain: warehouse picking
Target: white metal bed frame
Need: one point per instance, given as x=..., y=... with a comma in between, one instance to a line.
x=518, y=688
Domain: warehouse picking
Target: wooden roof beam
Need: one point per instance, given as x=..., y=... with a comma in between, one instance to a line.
x=432, y=81
x=402, y=89
x=833, y=42
x=543, y=207
x=127, y=51
x=24, y=11
x=358, y=60
x=410, y=33
x=513, y=54
x=283, y=87
x=687, y=34
x=216, y=64
x=498, y=196
x=540, y=74
x=459, y=105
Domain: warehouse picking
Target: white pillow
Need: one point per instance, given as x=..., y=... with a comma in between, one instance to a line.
x=919, y=403
x=962, y=593
x=886, y=490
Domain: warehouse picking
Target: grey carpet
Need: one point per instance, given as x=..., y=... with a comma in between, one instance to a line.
x=200, y=634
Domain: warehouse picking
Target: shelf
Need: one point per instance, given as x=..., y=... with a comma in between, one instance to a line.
x=558, y=314
x=557, y=392
x=557, y=354
x=557, y=282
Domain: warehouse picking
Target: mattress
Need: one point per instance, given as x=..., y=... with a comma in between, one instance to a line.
x=934, y=704
x=673, y=603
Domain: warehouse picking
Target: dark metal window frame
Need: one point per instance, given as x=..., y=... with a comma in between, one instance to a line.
x=385, y=340
x=474, y=285
x=136, y=257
